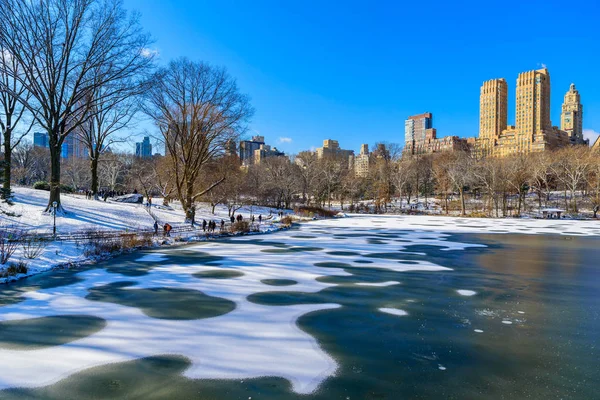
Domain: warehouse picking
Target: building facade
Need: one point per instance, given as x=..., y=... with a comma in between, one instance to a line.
x=40, y=139
x=143, y=149
x=265, y=151
x=332, y=148
x=73, y=147
x=571, y=118
x=533, y=130
x=361, y=162
x=421, y=137
x=415, y=128
x=248, y=147
x=493, y=106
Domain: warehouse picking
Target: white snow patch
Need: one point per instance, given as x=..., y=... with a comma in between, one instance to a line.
x=507, y=322
x=521, y=312
x=463, y=292
x=477, y=330
x=441, y=367
x=393, y=311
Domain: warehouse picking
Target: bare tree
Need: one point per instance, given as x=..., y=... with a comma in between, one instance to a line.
x=198, y=108
x=12, y=114
x=442, y=179
x=571, y=166
x=112, y=170
x=109, y=117
x=66, y=50
x=539, y=164
x=459, y=173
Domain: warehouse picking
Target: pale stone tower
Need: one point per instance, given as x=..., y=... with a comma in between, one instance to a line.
x=533, y=111
x=571, y=118
x=493, y=115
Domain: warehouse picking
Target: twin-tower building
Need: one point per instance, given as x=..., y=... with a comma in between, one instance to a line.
x=533, y=130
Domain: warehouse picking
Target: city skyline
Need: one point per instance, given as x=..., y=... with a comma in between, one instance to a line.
x=334, y=82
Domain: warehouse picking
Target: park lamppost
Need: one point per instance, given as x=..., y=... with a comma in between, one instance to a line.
x=54, y=205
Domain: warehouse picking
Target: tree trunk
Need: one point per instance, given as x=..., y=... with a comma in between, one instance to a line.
x=462, y=202
x=6, y=192
x=94, y=171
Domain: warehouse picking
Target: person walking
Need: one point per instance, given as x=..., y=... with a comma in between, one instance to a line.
x=149, y=202
x=232, y=219
x=155, y=228
x=204, y=225
x=259, y=219
x=222, y=225
x=168, y=228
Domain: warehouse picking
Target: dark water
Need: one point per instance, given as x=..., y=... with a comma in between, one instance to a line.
x=550, y=351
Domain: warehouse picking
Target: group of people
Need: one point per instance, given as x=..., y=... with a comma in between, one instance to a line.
x=211, y=226
x=167, y=228
x=208, y=227
x=105, y=194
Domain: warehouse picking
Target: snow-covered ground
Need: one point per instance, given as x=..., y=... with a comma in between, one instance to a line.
x=82, y=215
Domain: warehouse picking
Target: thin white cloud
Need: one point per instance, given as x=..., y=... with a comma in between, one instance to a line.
x=146, y=52
x=285, y=140
x=591, y=134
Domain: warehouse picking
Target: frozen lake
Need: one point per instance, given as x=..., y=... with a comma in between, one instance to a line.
x=355, y=308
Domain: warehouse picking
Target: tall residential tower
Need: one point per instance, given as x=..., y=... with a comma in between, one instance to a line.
x=532, y=118
x=493, y=115
x=571, y=118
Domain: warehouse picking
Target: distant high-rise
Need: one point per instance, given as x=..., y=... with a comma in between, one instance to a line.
x=532, y=119
x=230, y=149
x=331, y=148
x=493, y=116
x=73, y=147
x=421, y=137
x=143, y=149
x=248, y=147
x=361, y=162
x=40, y=139
x=415, y=128
x=571, y=118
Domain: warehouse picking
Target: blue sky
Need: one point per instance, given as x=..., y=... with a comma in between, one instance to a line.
x=353, y=71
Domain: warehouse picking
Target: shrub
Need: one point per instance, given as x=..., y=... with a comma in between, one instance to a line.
x=310, y=211
x=9, y=241
x=33, y=246
x=15, y=268
x=66, y=188
x=132, y=240
x=41, y=185
x=240, y=227
x=286, y=221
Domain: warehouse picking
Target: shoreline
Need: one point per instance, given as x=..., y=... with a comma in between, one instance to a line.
x=157, y=245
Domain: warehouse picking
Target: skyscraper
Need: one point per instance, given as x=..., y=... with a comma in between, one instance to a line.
x=532, y=119
x=143, y=149
x=248, y=147
x=73, y=146
x=40, y=139
x=533, y=130
x=571, y=118
x=421, y=137
x=415, y=128
x=493, y=116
